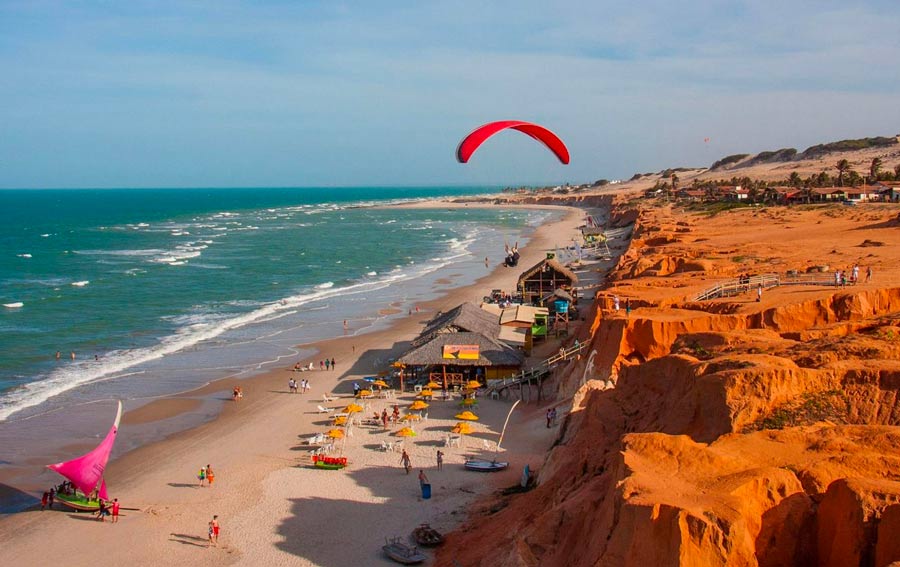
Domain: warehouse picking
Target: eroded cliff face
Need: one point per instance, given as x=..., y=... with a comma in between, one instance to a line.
x=737, y=434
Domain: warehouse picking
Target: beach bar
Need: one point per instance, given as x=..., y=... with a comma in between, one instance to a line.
x=452, y=359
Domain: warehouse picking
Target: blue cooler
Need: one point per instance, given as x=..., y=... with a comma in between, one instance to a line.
x=426, y=491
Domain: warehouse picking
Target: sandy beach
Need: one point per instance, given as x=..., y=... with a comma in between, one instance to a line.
x=273, y=506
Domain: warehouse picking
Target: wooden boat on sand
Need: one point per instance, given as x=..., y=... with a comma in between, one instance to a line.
x=402, y=553
x=486, y=466
x=427, y=536
x=329, y=463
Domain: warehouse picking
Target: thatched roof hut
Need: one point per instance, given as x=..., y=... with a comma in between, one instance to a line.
x=545, y=277
x=466, y=317
x=491, y=352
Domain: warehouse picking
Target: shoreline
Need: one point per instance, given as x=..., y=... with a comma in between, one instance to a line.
x=253, y=439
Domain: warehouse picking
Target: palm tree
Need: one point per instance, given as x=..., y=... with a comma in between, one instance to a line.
x=842, y=166
x=874, y=168
x=794, y=180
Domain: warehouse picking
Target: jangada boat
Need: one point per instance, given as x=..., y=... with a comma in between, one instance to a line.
x=329, y=463
x=482, y=465
x=427, y=536
x=402, y=553
x=86, y=473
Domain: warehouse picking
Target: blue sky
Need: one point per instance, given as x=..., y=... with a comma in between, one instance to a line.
x=330, y=93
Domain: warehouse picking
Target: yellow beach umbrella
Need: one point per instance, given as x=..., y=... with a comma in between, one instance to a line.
x=335, y=434
x=418, y=405
x=467, y=415
x=364, y=393
x=353, y=408
x=432, y=384
x=406, y=432
x=462, y=428
x=411, y=417
x=426, y=393
x=340, y=420
x=469, y=402
x=380, y=383
x=473, y=384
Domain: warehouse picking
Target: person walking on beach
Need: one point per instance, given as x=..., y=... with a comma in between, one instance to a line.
x=868, y=276
x=44, y=499
x=115, y=511
x=384, y=417
x=404, y=460
x=210, y=476
x=201, y=475
x=627, y=307
x=440, y=460
x=327, y=364
x=616, y=303
x=758, y=292
x=321, y=365
x=422, y=478
x=332, y=363
x=292, y=386
x=549, y=417
x=213, y=531
x=305, y=385
x=355, y=389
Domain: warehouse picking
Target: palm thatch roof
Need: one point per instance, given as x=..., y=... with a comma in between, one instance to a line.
x=554, y=265
x=557, y=294
x=592, y=231
x=463, y=317
x=491, y=352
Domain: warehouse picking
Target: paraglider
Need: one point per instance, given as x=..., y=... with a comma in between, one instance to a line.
x=471, y=142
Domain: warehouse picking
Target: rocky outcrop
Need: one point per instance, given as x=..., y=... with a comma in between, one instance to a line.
x=737, y=433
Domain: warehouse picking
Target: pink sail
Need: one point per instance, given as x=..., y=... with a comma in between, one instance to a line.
x=86, y=472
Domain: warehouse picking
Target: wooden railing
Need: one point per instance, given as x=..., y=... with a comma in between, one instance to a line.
x=738, y=286
x=536, y=371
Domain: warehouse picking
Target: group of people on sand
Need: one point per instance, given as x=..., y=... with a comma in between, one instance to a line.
x=302, y=386
x=108, y=509
x=206, y=476
x=842, y=279
x=324, y=364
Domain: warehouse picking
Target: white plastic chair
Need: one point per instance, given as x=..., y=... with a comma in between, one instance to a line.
x=324, y=409
x=326, y=398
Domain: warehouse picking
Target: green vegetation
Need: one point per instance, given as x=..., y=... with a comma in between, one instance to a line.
x=847, y=145
x=811, y=408
x=728, y=160
x=784, y=154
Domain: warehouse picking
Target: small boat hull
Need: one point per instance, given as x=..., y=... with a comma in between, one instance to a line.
x=402, y=553
x=330, y=463
x=78, y=502
x=486, y=466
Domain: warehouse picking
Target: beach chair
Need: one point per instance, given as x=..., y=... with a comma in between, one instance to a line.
x=326, y=398
x=324, y=409
x=398, y=445
x=387, y=446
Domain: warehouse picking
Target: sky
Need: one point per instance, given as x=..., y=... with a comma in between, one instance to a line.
x=331, y=93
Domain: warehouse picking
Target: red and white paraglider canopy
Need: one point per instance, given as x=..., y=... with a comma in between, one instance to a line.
x=471, y=142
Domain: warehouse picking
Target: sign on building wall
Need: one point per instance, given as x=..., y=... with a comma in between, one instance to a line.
x=467, y=352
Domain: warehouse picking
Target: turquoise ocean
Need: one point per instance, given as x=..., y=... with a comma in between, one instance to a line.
x=158, y=291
